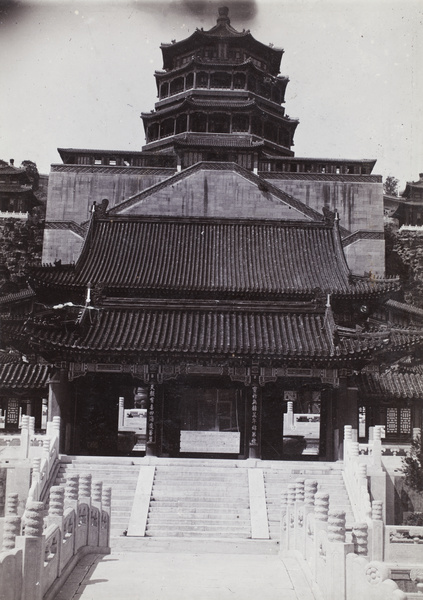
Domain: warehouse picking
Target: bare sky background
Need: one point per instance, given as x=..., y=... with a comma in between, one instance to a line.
x=78, y=73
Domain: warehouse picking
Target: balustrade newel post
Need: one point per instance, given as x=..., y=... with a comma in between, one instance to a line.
x=32, y=544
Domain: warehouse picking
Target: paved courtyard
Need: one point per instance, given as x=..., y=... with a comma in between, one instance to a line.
x=186, y=576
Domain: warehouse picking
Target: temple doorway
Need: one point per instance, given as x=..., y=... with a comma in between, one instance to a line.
x=203, y=420
x=291, y=424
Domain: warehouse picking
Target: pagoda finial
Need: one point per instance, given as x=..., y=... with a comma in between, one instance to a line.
x=223, y=15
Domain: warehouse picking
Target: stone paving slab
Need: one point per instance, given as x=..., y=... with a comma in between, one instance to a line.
x=187, y=576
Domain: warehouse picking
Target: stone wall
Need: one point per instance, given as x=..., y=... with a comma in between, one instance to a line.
x=360, y=207
x=218, y=194
x=71, y=193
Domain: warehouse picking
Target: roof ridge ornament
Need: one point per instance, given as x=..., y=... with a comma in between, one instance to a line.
x=223, y=15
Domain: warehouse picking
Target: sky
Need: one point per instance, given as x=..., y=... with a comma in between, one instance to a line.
x=78, y=74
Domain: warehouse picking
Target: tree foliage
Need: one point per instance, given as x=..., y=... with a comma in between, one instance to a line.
x=32, y=172
x=408, y=246
x=390, y=186
x=412, y=466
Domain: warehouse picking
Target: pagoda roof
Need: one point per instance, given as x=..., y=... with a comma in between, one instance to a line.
x=209, y=258
x=20, y=375
x=222, y=30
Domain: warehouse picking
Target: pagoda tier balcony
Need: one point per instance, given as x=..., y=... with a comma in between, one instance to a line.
x=267, y=87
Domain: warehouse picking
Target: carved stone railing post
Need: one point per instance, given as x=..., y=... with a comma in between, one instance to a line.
x=56, y=506
x=24, y=450
x=11, y=523
x=84, y=492
x=299, y=529
x=377, y=447
x=360, y=538
x=299, y=490
x=290, y=515
x=321, y=506
x=310, y=491
x=95, y=513
x=31, y=427
x=12, y=503
x=377, y=532
x=106, y=502
x=72, y=491
x=347, y=442
x=283, y=521
x=336, y=525
x=84, y=509
x=32, y=545
x=46, y=447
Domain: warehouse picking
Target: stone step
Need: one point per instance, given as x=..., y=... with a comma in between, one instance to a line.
x=193, y=534
x=189, y=509
x=190, y=546
x=199, y=524
x=191, y=530
x=198, y=502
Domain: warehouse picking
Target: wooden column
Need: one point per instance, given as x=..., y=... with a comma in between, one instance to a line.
x=59, y=405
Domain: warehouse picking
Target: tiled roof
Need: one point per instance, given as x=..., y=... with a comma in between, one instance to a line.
x=208, y=258
x=220, y=329
x=407, y=308
x=392, y=384
x=199, y=331
x=23, y=375
x=18, y=296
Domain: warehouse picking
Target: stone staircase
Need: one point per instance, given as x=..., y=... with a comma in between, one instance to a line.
x=329, y=479
x=199, y=501
x=203, y=499
x=120, y=474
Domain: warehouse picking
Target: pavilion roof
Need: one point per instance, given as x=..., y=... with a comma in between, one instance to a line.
x=209, y=258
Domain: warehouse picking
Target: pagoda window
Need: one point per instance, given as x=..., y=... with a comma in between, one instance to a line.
x=256, y=126
x=164, y=90
x=270, y=131
x=239, y=81
x=276, y=95
x=252, y=84
x=219, y=123
x=221, y=80
x=202, y=80
x=167, y=128
x=98, y=161
x=210, y=52
x=240, y=123
x=199, y=122
x=181, y=123
x=189, y=81
x=235, y=54
x=177, y=86
x=284, y=138
x=153, y=132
